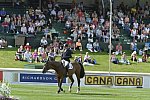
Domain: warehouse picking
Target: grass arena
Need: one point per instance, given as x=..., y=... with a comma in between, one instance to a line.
x=119, y=84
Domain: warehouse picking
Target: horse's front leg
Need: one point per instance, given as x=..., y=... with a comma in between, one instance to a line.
x=60, y=80
x=59, y=89
x=72, y=81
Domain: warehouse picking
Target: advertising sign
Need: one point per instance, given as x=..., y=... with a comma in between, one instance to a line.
x=99, y=80
x=1, y=76
x=114, y=80
x=43, y=78
x=128, y=81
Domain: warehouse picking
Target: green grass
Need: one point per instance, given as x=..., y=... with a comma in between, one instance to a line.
x=40, y=92
x=7, y=61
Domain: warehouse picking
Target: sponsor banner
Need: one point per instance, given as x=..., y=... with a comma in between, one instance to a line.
x=1, y=76
x=99, y=80
x=43, y=78
x=114, y=80
x=128, y=81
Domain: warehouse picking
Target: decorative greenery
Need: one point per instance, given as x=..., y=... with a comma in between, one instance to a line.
x=5, y=89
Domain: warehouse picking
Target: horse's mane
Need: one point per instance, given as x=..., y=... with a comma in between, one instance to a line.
x=57, y=64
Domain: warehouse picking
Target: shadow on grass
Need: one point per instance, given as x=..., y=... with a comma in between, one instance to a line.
x=92, y=94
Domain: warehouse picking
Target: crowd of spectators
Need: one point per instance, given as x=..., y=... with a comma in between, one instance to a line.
x=81, y=24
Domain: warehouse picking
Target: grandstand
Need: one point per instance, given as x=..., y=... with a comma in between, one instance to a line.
x=12, y=8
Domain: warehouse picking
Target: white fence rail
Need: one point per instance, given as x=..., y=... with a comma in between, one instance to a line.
x=92, y=78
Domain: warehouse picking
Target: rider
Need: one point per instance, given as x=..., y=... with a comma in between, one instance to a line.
x=65, y=58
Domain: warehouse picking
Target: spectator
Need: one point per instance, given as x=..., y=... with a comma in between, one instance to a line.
x=44, y=57
x=145, y=49
x=111, y=47
x=24, y=29
x=40, y=50
x=96, y=46
x=28, y=56
x=19, y=20
x=78, y=59
x=7, y=19
x=19, y=54
x=53, y=14
x=114, y=59
x=124, y=59
x=118, y=49
x=37, y=26
x=35, y=56
x=87, y=60
x=3, y=43
x=74, y=35
x=68, y=24
x=144, y=57
x=31, y=30
x=5, y=27
x=27, y=47
x=49, y=23
x=3, y=13
x=56, y=46
x=133, y=46
x=78, y=45
x=89, y=46
x=12, y=27
x=43, y=42
x=134, y=56
x=70, y=43
x=52, y=55
x=60, y=16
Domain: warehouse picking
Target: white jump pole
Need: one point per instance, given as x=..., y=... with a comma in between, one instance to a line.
x=110, y=31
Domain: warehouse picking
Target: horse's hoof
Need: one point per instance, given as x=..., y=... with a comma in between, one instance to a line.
x=77, y=92
x=58, y=92
x=69, y=91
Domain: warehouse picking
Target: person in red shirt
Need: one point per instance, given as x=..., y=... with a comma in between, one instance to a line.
x=70, y=43
x=80, y=14
x=5, y=26
x=27, y=46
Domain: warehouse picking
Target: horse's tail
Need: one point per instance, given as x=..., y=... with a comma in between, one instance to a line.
x=82, y=72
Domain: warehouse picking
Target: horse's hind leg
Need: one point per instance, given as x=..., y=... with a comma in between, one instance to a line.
x=78, y=90
x=78, y=79
x=72, y=81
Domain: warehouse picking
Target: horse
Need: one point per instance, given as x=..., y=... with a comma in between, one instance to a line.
x=60, y=70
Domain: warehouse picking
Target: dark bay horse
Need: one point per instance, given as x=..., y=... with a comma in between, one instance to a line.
x=78, y=70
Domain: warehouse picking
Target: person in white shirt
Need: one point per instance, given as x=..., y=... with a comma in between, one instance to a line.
x=28, y=56
x=53, y=14
x=7, y=19
x=38, y=11
x=24, y=29
x=89, y=46
x=43, y=42
x=31, y=30
x=136, y=25
x=96, y=46
x=41, y=16
x=60, y=15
